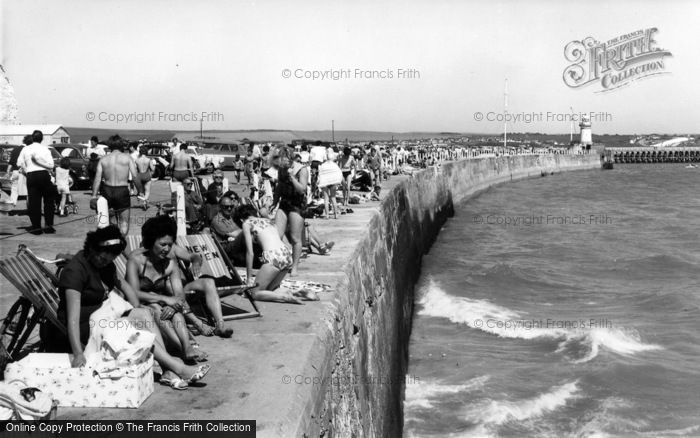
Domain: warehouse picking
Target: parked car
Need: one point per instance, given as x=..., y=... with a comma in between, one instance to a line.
x=226, y=151
x=78, y=164
x=6, y=183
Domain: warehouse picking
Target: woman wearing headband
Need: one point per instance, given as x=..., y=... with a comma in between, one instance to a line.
x=84, y=285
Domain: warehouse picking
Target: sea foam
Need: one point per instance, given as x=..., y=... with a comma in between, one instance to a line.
x=578, y=344
x=422, y=394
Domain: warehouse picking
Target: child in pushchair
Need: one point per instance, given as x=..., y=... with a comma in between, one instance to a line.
x=65, y=203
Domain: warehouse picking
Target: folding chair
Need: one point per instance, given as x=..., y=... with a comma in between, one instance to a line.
x=215, y=264
x=38, y=302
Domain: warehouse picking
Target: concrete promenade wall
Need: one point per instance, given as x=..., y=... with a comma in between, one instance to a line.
x=367, y=350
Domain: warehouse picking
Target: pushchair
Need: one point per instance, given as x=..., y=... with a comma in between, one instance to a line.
x=70, y=207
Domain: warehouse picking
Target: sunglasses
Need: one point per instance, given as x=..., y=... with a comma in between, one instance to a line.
x=188, y=184
x=227, y=207
x=218, y=177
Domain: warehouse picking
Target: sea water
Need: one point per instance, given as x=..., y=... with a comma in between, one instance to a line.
x=563, y=306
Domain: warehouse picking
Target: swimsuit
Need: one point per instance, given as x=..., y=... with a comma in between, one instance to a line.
x=144, y=177
x=290, y=199
x=280, y=258
x=117, y=197
x=180, y=175
x=148, y=285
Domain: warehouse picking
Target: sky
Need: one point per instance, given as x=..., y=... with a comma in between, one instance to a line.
x=161, y=64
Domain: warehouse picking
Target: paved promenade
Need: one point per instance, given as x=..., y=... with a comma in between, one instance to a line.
x=266, y=371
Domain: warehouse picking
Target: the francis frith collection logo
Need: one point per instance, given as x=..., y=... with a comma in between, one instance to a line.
x=616, y=62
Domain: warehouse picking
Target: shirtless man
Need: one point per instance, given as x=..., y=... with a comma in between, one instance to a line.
x=114, y=169
x=143, y=177
x=181, y=164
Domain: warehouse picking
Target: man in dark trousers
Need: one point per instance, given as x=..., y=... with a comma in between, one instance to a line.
x=37, y=163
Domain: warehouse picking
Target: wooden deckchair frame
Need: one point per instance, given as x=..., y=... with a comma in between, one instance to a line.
x=39, y=291
x=230, y=312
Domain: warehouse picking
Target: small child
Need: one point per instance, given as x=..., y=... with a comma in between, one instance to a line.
x=63, y=184
x=238, y=168
x=255, y=183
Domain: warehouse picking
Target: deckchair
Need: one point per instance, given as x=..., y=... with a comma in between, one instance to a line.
x=38, y=302
x=215, y=264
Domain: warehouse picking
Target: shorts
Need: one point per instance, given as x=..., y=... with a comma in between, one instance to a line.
x=117, y=197
x=63, y=189
x=280, y=258
x=346, y=174
x=180, y=175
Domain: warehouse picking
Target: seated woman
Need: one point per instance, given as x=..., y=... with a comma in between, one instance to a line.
x=276, y=258
x=85, y=282
x=154, y=273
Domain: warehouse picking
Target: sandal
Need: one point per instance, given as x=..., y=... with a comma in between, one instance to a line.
x=175, y=382
x=202, y=371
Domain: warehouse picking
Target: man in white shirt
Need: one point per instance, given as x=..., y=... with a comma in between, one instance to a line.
x=37, y=163
x=96, y=148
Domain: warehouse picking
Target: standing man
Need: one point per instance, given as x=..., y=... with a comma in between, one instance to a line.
x=95, y=147
x=13, y=170
x=114, y=169
x=37, y=162
x=181, y=164
x=375, y=167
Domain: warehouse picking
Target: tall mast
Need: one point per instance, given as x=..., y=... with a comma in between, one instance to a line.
x=505, y=112
x=571, y=128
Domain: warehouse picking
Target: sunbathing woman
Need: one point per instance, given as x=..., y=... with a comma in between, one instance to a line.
x=276, y=258
x=154, y=273
x=83, y=286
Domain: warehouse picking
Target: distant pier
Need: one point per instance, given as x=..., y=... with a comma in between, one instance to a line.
x=641, y=155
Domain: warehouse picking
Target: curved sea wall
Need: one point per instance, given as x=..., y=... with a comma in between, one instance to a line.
x=366, y=350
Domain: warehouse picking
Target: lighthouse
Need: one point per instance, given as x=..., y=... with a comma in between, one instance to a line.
x=586, y=137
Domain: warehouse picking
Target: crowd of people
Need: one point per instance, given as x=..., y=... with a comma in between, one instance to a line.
x=263, y=224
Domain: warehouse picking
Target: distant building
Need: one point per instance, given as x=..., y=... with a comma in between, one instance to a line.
x=14, y=134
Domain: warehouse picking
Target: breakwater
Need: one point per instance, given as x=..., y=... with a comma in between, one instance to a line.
x=366, y=347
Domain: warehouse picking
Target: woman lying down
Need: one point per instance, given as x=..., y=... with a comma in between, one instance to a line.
x=276, y=259
x=84, y=285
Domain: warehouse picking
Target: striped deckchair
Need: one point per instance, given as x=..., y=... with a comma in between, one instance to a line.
x=215, y=264
x=39, y=289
